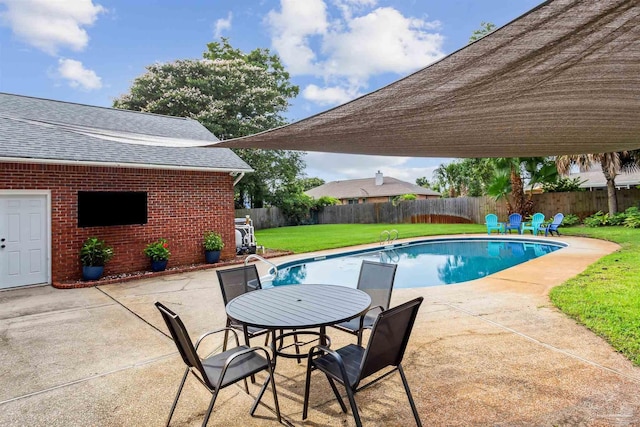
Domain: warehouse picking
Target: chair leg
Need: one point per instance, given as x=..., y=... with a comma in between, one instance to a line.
x=354, y=407
x=307, y=386
x=210, y=408
x=271, y=379
x=411, y=402
x=175, y=401
x=335, y=391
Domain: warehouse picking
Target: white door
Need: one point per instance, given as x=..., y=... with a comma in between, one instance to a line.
x=23, y=240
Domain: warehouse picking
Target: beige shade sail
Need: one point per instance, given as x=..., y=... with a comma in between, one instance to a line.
x=563, y=78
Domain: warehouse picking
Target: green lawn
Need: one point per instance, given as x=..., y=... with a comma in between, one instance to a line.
x=309, y=238
x=605, y=297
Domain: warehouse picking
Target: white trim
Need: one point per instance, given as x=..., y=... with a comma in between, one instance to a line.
x=118, y=165
x=47, y=196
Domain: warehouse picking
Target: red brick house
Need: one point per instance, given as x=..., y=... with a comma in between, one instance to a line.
x=54, y=154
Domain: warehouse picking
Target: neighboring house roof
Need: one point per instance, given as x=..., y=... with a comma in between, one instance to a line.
x=595, y=179
x=43, y=130
x=359, y=188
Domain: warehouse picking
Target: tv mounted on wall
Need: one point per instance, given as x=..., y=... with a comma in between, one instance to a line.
x=105, y=208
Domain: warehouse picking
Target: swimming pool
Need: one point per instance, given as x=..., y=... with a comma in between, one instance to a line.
x=420, y=264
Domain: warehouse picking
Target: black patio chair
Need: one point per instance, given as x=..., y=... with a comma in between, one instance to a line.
x=376, y=279
x=235, y=282
x=351, y=364
x=218, y=371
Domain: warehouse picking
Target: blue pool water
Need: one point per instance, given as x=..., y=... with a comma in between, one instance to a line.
x=420, y=264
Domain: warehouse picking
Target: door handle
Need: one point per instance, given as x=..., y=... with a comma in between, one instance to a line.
x=2, y=246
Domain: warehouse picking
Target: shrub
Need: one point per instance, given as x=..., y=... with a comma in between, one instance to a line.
x=325, y=201
x=570, y=220
x=563, y=184
x=633, y=218
x=598, y=219
x=212, y=241
x=617, y=219
x=158, y=250
x=95, y=253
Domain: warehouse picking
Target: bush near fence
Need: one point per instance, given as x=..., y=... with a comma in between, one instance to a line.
x=448, y=211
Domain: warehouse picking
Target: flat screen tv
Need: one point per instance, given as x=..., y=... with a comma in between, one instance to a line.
x=105, y=208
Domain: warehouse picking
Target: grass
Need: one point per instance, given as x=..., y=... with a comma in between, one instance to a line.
x=309, y=238
x=606, y=296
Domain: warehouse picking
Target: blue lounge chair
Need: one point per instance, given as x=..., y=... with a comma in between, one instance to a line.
x=515, y=221
x=535, y=224
x=557, y=221
x=491, y=221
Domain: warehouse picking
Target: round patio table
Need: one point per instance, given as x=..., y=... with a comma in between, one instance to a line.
x=295, y=307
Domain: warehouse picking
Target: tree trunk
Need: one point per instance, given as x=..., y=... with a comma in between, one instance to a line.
x=517, y=190
x=612, y=198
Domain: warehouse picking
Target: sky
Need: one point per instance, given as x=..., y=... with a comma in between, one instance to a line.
x=89, y=51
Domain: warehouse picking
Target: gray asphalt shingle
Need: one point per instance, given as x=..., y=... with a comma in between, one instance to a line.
x=23, y=140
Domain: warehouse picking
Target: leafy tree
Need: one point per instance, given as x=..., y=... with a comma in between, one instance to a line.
x=464, y=177
x=612, y=165
x=562, y=185
x=423, y=182
x=309, y=183
x=232, y=94
x=485, y=28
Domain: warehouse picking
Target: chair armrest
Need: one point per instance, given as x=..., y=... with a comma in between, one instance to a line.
x=206, y=334
x=238, y=354
x=334, y=354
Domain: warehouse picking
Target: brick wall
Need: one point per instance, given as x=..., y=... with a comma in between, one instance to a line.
x=182, y=205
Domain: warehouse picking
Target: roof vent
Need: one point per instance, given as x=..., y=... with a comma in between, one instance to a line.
x=379, y=179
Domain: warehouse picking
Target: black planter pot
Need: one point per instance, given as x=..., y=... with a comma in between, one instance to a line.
x=211, y=257
x=92, y=272
x=159, y=265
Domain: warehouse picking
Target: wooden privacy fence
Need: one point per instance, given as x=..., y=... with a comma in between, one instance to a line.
x=449, y=211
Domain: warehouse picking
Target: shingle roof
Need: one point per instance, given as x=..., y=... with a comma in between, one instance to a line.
x=366, y=187
x=55, y=131
x=595, y=179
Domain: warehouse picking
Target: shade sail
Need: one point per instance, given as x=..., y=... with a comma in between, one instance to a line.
x=563, y=78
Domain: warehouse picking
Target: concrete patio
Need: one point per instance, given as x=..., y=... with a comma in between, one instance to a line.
x=488, y=352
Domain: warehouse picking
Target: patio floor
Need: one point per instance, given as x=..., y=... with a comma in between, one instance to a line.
x=493, y=351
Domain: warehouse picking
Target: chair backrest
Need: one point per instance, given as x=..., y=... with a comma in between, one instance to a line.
x=376, y=279
x=182, y=340
x=237, y=281
x=389, y=338
x=537, y=218
x=491, y=219
x=515, y=219
x=557, y=219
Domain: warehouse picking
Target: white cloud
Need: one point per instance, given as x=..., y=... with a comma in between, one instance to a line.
x=50, y=25
x=77, y=75
x=292, y=29
x=349, y=47
x=222, y=24
x=380, y=42
x=329, y=95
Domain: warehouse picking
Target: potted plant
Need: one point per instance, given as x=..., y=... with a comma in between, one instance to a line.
x=158, y=252
x=213, y=244
x=94, y=254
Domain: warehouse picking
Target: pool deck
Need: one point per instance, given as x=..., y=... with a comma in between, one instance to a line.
x=493, y=351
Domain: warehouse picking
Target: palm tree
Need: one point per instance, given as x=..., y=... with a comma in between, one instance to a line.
x=612, y=165
x=510, y=176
